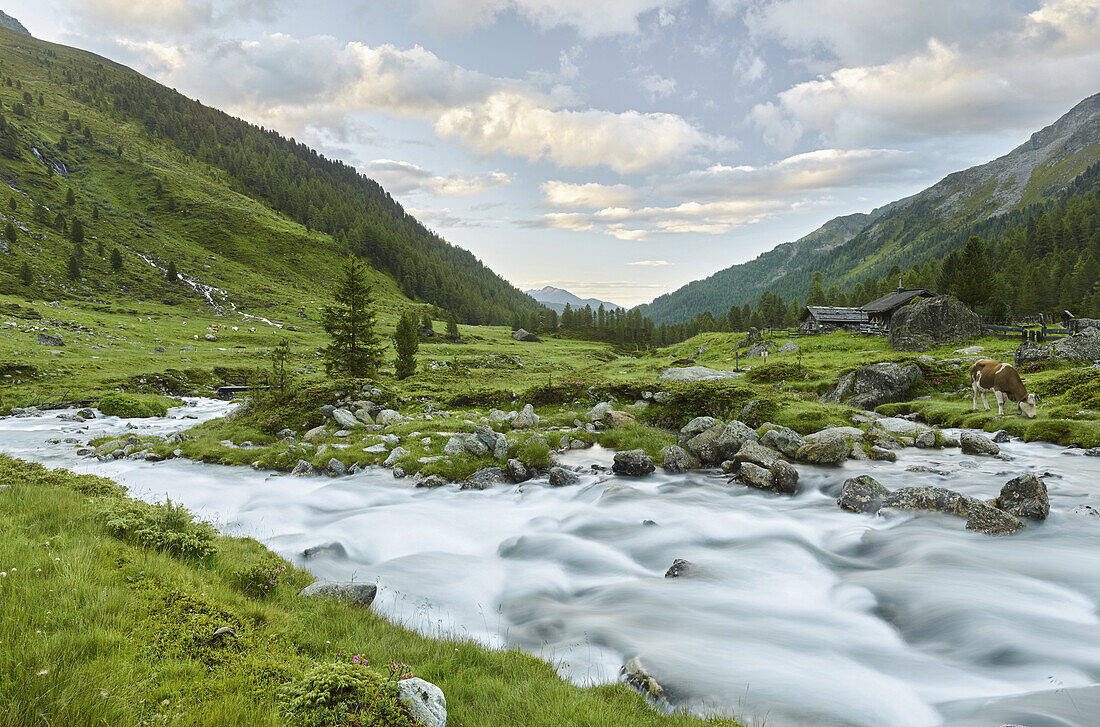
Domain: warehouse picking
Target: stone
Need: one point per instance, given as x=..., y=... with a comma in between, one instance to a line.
x=424, y=700
x=496, y=416
x=1079, y=347
x=632, y=463
x=431, y=481
x=925, y=440
x=160, y=349
x=302, y=469
x=782, y=439
x=526, y=419
x=870, y=386
x=483, y=479
x=49, y=339
x=679, y=568
x=786, y=477
x=637, y=677
x=978, y=444
x=355, y=594
x=617, y=419
x=210, y=337
x=396, y=454
x=326, y=550
x=345, y=419
x=931, y=499
x=1000, y=436
x=882, y=454
x=925, y=323
x=1025, y=497
x=825, y=447
x=789, y=347
x=389, y=417
x=326, y=410
x=754, y=475
x=987, y=519
x=698, y=425
x=757, y=454
x=598, y=412
x=560, y=477
x=336, y=468
x=1085, y=512
x=516, y=471
x=676, y=459
x=862, y=494
x=494, y=441
x=522, y=335
x=898, y=427
x=762, y=348
x=363, y=415
x=694, y=373
x=315, y=433
x=753, y=336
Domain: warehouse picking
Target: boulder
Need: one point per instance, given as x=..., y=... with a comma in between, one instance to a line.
x=757, y=454
x=326, y=550
x=974, y=443
x=431, y=481
x=754, y=475
x=782, y=439
x=825, y=447
x=494, y=441
x=679, y=568
x=516, y=471
x=698, y=425
x=598, y=412
x=862, y=494
x=356, y=594
x=931, y=499
x=617, y=419
x=1001, y=436
x=676, y=459
x=870, y=386
x=388, y=417
x=363, y=415
x=522, y=335
x=302, y=469
x=86, y=413
x=987, y=519
x=424, y=700
x=925, y=440
x=315, y=433
x=898, y=427
x=789, y=347
x=1025, y=497
x=921, y=325
x=786, y=477
x=696, y=373
x=396, y=454
x=49, y=339
x=484, y=479
x=882, y=454
x=345, y=419
x=526, y=419
x=336, y=468
x=1079, y=347
x=762, y=348
x=753, y=336
x=632, y=463
x=1085, y=512
x=560, y=477
x=637, y=677
x=705, y=446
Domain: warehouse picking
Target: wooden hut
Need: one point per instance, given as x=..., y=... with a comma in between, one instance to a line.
x=823, y=318
x=881, y=310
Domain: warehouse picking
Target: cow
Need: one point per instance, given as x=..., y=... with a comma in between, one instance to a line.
x=1004, y=381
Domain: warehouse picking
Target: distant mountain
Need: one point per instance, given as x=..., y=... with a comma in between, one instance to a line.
x=7, y=21
x=556, y=298
x=907, y=232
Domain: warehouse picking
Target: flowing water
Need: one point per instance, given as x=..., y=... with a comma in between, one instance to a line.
x=797, y=614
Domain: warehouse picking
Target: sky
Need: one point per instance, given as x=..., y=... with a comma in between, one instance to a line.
x=617, y=148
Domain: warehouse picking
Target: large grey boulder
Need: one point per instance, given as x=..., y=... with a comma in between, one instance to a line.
x=302, y=469
x=754, y=475
x=522, y=335
x=930, y=499
x=974, y=443
x=757, y=454
x=465, y=444
x=698, y=425
x=345, y=419
x=696, y=373
x=560, y=477
x=825, y=447
x=789, y=347
x=1025, y=496
x=987, y=519
x=396, y=454
x=598, y=412
x=526, y=419
x=632, y=463
x=862, y=494
x=870, y=386
x=762, y=348
x=356, y=594
x=925, y=323
x=898, y=427
x=676, y=459
x=496, y=442
x=49, y=339
x=720, y=442
x=1080, y=347
x=782, y=439
x=424, y=700
x=752, y=337
x=516, y=471
x=484, y=479
x=786, y=477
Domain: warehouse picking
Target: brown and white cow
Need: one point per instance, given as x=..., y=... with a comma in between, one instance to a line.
x=1004, y=381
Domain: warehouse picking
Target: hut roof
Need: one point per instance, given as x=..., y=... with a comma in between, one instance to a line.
x=894, y=300
x=834, y=314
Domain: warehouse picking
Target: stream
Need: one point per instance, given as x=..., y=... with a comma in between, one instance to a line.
x=797, y=613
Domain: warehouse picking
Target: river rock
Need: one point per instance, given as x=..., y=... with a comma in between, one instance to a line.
x=355, y=594
x=931, y=499
x=617, y=419
x=494, y=441
x=363, y=415
x=526, y=419
x=696, y=373
x=870, y=386
x=302, y=469
x=987, y=519
x=465, y=444
x=676, y=459
x=979, y=444
x=757, y=454
x=786, y=477
x=1000, y=436
x=388, y=417
x=522, y=335
x=336, y=468
x=516, y=471
x=326, y=550
x=921, y=325
x=925, y=440
x=679, y=568
x=344, y=418
x=424, y=700
x=1085, y=512
x=782, y=439
x=898, y=427
x=1025, y=497
x=636, y=675
x=862, y=494
x=698, y=425
x=598, y=412
x=825, y=447
x=431, y=481
x=882, y=454
x=86, y=413
x=315, y=433
x=560, y=477
x=705, y=446
x=49, y=339
x=632, y=463
x=484, y=479
x=396, y=454
x=754, y=475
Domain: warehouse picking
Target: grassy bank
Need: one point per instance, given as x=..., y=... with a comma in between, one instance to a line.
x=115, y=629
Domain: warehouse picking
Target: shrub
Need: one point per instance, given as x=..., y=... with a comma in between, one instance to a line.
x=778, y=371
x=720, y=399
x=168, y=527
x=533, y=451
x=341, y=693
x=134, y=405
x=258, y=579
x=269, y=411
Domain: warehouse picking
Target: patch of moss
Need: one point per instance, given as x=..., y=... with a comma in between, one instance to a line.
x=129, y=406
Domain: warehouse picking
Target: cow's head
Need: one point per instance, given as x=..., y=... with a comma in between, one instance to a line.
x=1028, y=405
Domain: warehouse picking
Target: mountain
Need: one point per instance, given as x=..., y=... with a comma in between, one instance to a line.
x=556, y=298
x=89, y=144
x=7, y=21
x=910, y=231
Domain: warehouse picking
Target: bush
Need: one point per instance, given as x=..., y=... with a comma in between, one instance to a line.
x=130, y=406
x=779, y=371
x=259, y=579
x=533, y=451
x=168, y=527
x=720, y=399
x=270, y=412
x=337, y=694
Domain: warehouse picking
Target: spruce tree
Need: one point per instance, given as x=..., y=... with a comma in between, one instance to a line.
x=452, y=327
x=426, y=320
x=70, y=198
x=116, y=260
x=171, y=275
x=354, y=350
x=9, y=233
x=405, y=342
x=280, y=355
x=25, y=274
x=74, y=266
x=76, y=232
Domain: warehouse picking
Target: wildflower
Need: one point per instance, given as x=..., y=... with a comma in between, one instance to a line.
x=43, y=672
x=37, y=570
x=164, y=703
x=3, y=574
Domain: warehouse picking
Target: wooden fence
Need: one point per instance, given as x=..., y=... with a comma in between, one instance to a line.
x=1041, y=334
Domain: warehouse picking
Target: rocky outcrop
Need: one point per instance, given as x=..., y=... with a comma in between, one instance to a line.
x=752, y=337
x=1081, y=347
x=862, y=494
x=928, y=322
x=1025, y=497
x=789, y=347
x=356, y=594
x=675, y=458
x=526, y=419
x=825, y=447
x=763, y=348
x=870, y=386
x=632, y=463
x=679, y=567
x=49, y=339
x=424, y=700
x=719, y=442
x=696, y=373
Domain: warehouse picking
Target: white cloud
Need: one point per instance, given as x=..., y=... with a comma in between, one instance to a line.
x=401, y=177
x=172, y=15
x=589, y=19
x=651, y=263
x=657, y=86
x=592, y=195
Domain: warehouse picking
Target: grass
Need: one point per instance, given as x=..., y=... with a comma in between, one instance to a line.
x=101, y=630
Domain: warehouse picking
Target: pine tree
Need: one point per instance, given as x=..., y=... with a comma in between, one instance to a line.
x=405, y=342
x=116, y=260
x=95, y=212
x=25, y=274
x=76, y=232
x=817, y=291
x=280, y=355
x=426, y=321
x=452, y=327
x=171, y=275
x=70, y=198
x=354, y=350
x=9, y=233
x=74, y=265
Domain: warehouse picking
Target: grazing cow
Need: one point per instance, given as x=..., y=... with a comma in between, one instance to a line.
x=1004, y=381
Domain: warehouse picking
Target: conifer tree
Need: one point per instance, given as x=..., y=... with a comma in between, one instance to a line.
x=9, y=233
x=76, y=232
x=354, y=350
x=426, y=320
x=25, y=274
x=452, y=327
x=280, y=355
x=171, y=275
x=74, y=265
x=70, y=198
x=406, y=342
x=116, y=260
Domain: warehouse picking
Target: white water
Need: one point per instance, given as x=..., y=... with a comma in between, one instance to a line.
x=801, y=613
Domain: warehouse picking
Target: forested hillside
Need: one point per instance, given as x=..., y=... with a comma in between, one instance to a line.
x=92, y=145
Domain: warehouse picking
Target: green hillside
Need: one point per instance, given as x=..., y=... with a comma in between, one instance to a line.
x=912, y=231
x=250, y=219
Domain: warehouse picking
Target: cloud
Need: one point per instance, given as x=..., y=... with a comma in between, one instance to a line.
x=401, y=177
x=589, y=19
x=592, y=195
x=1004, y=80
x=441, y=218
x=657, y=86
x=651, y=263
x=173, y=15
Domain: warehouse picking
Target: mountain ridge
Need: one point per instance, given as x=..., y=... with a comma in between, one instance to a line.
x=556, y=299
